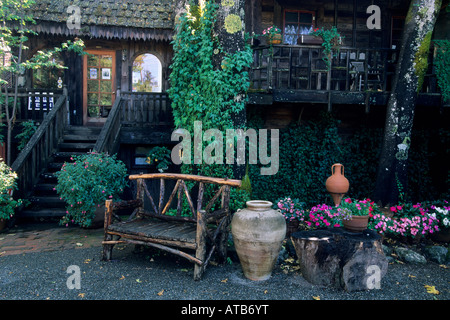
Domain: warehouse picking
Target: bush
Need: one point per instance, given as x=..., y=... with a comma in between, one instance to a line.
x=86, y=183
x=7, y=185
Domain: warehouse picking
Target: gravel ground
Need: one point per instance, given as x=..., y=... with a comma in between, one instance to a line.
x=152, y=275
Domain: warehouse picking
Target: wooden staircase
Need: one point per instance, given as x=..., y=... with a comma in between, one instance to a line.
x=44, y=200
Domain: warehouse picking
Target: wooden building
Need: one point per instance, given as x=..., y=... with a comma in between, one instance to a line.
x=115, y=99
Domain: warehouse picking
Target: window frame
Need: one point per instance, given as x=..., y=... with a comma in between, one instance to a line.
x=313, y=13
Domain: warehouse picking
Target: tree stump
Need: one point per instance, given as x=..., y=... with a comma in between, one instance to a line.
x=338, y=258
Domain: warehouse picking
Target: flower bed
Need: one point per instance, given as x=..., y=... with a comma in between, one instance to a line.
x=405, y=221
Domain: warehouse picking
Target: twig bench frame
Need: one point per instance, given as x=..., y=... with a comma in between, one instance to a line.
x=180, y=235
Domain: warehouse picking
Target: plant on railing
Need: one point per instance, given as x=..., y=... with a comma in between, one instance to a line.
x=8, y=184
x=159, y=156
x=273, y=34
x=442, y=63
x=332, y=39
x=87, y=182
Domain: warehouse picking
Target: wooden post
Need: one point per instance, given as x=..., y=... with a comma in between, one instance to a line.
x=200, y=253
x=107, y=248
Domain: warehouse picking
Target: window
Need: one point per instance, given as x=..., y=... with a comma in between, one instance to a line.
x=49, y=77
x=297, y=23
x=147, y=74
x=398, y=24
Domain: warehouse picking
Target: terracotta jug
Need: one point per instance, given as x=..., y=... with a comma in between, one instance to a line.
x=337, y=184
x=258, y=232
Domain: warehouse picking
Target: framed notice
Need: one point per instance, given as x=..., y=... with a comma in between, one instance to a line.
x=93, y=73
x=106, y=73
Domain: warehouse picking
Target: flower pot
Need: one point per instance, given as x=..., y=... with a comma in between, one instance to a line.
x=309, y=39
x=356, y=223
x=337, y=184
x=2, y=224
x=275, y=39
x=99, y=219
x=258, y=232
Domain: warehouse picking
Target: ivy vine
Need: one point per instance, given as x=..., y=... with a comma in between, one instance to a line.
x=207, y=84
x=442, y=63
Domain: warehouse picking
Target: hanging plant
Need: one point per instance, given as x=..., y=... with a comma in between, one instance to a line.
x=332, y=39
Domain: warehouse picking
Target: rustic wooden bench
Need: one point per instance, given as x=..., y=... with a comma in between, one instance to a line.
x=194, y=237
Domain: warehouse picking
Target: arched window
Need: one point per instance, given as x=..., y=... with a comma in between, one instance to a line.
x=147, y=74
x=49, y=77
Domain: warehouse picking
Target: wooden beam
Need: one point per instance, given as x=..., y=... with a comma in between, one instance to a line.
x=189, y=177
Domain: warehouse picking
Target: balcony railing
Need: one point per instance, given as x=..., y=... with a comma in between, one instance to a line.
x=301, y=67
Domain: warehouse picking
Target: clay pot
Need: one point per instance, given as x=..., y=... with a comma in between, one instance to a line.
x=258, y=232
x=337, y=184
x=275, y=39
x=356, y=223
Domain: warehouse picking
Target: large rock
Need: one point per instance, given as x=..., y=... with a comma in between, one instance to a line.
x=436, y=254
x=410, y=256
x=335, y=257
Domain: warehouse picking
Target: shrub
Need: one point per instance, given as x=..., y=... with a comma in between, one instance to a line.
x=7, y=185
x=86, y=183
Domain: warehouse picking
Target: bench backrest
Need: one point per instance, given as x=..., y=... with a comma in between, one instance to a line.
x=160, y=208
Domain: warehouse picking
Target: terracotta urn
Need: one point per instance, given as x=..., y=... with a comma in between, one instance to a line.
x=337, y=184
x=258, y=232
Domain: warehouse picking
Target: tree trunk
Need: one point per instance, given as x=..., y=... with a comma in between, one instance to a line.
x=230, y=28
x=411, y=68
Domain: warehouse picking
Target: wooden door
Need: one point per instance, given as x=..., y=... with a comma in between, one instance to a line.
x=99, y=73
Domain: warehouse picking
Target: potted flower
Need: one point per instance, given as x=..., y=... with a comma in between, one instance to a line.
x=323, y=216
x=159, y=156
x=332, y=39
x=7, y=185
x=292, y=211
x=86, y=183
x=273, y=34
x=355, y=214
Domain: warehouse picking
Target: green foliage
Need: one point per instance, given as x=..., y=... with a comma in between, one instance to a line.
x=207, y=84
x=308, y=150
x=331, y=39
x=7, y=185
x=159, y=156
x=87, y=182
x=442, y=63
x=29, y=128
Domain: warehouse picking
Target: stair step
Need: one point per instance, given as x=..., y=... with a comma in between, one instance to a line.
x=45, y=188
x=64, y=156
x=43, y=212
x=76, y=146
x=47, y=202
x=83, y=130
x=80, y=137
x=54, y=166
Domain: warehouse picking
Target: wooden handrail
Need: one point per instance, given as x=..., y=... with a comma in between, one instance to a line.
x=34, y=158
x=108, y=138
x=189, y=177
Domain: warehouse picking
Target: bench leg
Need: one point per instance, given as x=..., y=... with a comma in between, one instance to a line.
x=222, y=243
x=107, y=248
x=200, y=253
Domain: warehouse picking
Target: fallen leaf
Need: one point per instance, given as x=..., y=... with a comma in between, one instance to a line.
x=79, y=244
x=289, y=260
x=265, y=291
x=161, y=292
x=122, y=277
x=87, y=261
x=431, y=289
x=411, y=276
x=224, y=280
x=81, y=295
x=443, y=266
x=184, y=270
x=138, y=281
x=316, y=297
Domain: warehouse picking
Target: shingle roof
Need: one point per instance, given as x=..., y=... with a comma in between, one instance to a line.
x=108, y=18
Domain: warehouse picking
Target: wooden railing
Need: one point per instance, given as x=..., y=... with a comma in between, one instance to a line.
x=35, y=104
x=145, y=109
x=35, y=156
x=134, y=109
x=302, y=67
x=108, y=140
